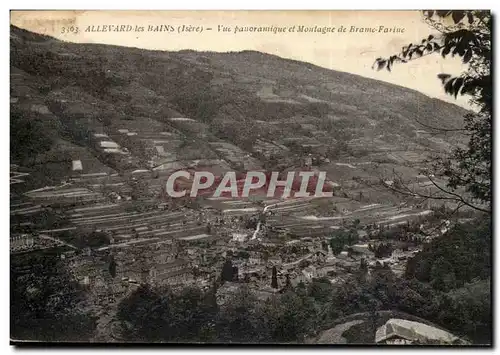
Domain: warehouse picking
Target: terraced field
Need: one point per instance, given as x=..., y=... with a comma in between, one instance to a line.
x=107, y=139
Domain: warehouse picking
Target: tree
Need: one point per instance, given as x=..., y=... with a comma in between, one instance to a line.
x=227, y=271
x=112, y=267
x=155, y=315
x=324, y=246
x=237, y=320
x=337, y=245
x=458, y=257
x=28, y=137
x=467, y=311
x=139, y=190
x=192, y=315
x=274, y=278
x=383, y=250
x=288, y=317
x=288, y=284
x=351, y=236
x=135, y=313
x=47, y=304
x=234, y=273
x=467, y=35
x=94, y=240
x=304, y=263
x=320, y=289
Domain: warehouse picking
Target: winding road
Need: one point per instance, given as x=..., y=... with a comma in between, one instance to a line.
x=257, y=229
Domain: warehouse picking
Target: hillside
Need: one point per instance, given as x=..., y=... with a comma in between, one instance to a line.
x=244, y=110
x=95, y=132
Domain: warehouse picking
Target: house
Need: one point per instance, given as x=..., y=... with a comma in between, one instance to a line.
x=114, y=196
x=327, y=270
x=240, y=237
x=164, y=255
x=269, y=244
x=309, y=272
x=256, y=272
x=23, y=241
x=85, y=281
x=172, y=277
x=76, y=165
x=319, y=256
x=362, y=249
x=275, y=260
x=402, y=331
x=255, y=258
x=308, y=161
x=176, y=272
x=132, y=271
x=295, y=281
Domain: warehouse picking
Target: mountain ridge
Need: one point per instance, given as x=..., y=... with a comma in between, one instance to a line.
x=248, y=109
x=243, y=52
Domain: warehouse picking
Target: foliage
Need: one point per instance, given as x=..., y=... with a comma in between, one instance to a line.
x=45, y=301
x=470, y=40
x=243, y=254
x=320, y=289
x=139, y=190
x=468, y=310
x=155, y=315
x=292, y=316
x=382, y=250
x=340, y=239
x=94, y=240
x=337, y=245
x=238, y=320
x=112, y=267
x=28, y=137
x=458, y=257
x=274, y=278
x=471, y=167
x=466, y=34
x=227, y=271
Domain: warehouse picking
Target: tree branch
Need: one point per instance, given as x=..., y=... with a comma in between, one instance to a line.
x=458, y=197
x=442, y=129
x=453, y=196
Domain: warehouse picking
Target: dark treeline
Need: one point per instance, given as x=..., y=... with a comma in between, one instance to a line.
x=447, y=284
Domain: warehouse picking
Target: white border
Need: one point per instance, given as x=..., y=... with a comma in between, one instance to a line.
x=190, y=5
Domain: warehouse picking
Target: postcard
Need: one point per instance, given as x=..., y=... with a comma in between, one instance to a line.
x=251, y=177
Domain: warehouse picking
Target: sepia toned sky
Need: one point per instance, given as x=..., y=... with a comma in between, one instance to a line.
x=352, y=52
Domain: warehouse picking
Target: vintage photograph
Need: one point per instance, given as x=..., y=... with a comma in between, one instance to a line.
x=251, y=177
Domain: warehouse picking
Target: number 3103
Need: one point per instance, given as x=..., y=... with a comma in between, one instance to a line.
x=71, y=29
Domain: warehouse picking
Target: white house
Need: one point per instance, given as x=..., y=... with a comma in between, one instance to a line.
x=77, y=165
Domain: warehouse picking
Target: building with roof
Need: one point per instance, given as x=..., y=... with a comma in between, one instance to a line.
x=77, y=165
x=172, y=273
x=309, y=272
x=275, y=260
x=402, y=331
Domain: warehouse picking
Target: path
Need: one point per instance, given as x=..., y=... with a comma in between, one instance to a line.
x=59, y=241
x=334, y=335
x=257, y=229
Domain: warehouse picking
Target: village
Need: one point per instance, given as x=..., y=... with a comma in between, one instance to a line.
x=180, y=193
x=153, y=238
x=101, y=202
x=107, y=202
